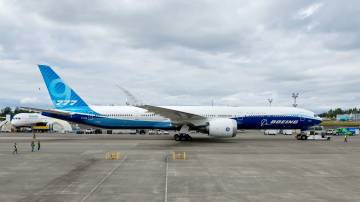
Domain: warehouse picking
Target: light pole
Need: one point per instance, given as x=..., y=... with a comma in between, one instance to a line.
x=295, y=96
x=270, y=100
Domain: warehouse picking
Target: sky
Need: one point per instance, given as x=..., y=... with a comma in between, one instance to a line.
x=230, y=52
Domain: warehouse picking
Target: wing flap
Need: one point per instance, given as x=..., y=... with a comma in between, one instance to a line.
x=175, y=115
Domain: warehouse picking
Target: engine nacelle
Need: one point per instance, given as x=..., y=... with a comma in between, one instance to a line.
x=222, y=127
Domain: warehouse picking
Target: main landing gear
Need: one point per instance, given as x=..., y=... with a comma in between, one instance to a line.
x=182, y=137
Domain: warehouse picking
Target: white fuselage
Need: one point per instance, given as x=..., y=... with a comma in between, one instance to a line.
x=130, y=117
x=29, y=119
x=135, y=113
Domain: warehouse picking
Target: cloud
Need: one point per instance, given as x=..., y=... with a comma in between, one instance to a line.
x=29, y=100
x=179, y=52
x=308, y=11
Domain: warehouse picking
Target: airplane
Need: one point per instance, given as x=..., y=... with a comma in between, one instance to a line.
x=216, y=121
x=32, y=119
x=29, y=119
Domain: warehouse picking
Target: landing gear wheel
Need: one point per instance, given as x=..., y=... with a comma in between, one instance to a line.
x=187, y=137
x=298, y=137
x=303, y=137
x=182, y=137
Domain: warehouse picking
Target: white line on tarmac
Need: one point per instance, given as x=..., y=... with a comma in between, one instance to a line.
x=166, y=177
x=103, y=180
x=68, y=186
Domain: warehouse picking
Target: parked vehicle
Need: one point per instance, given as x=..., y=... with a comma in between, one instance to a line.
x=331, y=132
x=271, y=132
x=317, y=130
x=158, y=132
x=287, y=132
x=355, y=131
x=312, y=135
x=318, y=137
x=79, y=132
x=141, y=132
x=89, y=131
x=345, y=131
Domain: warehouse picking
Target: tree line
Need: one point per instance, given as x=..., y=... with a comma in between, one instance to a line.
x=333, y=112
x=9, y=110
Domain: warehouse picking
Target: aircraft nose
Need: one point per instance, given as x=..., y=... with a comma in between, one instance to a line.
x=13, y=122
x=318, y=119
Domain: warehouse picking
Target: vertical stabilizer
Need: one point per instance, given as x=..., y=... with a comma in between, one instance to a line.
x=62, y=96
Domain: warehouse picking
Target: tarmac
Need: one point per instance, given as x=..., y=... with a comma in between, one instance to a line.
x=249, y=167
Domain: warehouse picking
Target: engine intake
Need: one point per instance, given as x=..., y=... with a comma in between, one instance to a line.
x=222, y=127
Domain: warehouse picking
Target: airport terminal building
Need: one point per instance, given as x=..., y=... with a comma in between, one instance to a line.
x=348, y=117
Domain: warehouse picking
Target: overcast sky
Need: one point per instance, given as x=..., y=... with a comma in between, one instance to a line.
x=236, y=53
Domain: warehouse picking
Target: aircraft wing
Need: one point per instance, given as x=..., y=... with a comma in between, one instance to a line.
x=175, y=115
x=53, y=111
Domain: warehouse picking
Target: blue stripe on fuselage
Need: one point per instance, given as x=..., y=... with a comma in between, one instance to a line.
x=111, y=123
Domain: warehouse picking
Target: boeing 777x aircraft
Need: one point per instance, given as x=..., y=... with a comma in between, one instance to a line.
x=216, y=121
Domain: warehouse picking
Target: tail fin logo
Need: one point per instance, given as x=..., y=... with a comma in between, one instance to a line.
x=59, y=89
x=61, y=93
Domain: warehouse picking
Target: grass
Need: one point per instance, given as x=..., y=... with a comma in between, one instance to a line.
x=341, y=123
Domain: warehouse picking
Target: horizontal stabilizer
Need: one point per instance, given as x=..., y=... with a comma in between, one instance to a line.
x=53, y=111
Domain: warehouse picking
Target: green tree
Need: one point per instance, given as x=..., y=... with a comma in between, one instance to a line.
x=6, y=110
x=18, y=110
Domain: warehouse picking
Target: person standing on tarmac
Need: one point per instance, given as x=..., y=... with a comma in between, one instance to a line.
x=38, y=144
x=15, y=148
x=32, y=145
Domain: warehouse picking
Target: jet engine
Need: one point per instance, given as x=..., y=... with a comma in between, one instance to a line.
x=222, y=127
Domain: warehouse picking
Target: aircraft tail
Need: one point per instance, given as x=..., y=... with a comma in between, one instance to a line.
x=62, y=96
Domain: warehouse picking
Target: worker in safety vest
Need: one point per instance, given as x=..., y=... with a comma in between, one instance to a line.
x=32, y=145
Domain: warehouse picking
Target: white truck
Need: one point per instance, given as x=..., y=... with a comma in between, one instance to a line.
x=314, y=133
x=271, y=132
x=287, y=132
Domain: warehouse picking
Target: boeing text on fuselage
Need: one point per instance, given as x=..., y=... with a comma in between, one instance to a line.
x=264, y=122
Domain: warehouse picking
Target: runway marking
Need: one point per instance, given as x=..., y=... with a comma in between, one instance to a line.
x=103, y=180
x=68, y=186
x=166, y=177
